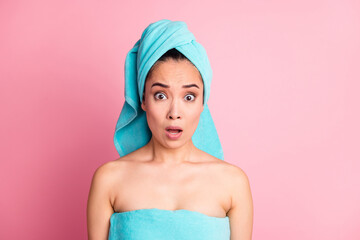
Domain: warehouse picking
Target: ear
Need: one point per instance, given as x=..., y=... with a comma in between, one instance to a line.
x=143, y=103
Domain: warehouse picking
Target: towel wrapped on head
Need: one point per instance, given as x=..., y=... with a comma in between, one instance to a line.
x=132, y=131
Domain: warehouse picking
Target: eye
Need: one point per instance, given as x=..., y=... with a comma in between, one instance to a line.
x=160, y=96
x=190, y=97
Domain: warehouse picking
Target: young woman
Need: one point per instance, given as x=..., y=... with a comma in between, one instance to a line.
x=170, y=181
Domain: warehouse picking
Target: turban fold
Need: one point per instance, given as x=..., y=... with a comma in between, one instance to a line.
x=132, y=131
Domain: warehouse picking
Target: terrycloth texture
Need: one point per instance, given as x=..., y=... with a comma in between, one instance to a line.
x=132, y=131
x=159, y=224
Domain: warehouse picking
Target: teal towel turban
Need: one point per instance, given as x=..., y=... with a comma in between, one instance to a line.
x=132, y=131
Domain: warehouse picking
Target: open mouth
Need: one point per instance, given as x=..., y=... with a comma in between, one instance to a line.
x=174, y=131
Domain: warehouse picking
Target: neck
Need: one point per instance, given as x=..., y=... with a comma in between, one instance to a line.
x=161, y=154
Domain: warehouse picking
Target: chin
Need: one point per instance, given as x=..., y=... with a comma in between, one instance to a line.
x=176, y=144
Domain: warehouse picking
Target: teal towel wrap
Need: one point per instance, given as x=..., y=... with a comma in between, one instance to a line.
x=132, y=131
x=160, y=224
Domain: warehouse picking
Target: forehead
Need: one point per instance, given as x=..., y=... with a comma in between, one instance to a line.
x=174, y=72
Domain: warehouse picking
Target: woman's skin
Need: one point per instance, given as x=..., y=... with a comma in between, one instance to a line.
x=171, y=174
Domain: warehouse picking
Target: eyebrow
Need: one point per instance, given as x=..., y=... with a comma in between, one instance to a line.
x=167, y=86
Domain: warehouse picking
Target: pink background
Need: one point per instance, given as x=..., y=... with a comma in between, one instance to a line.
x=284, y=99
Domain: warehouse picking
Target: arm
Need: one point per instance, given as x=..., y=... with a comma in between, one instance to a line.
x=99, y=208
x=241, y=212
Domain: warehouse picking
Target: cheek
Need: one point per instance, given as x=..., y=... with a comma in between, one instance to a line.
x=155, y=115
x=193, y=116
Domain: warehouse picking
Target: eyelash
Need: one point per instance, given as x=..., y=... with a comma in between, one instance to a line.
x=193, y=94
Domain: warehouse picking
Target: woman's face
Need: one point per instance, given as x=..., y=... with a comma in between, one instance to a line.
x=173, y=97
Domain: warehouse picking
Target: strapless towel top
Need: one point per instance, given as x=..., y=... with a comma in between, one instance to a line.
x=161, y=224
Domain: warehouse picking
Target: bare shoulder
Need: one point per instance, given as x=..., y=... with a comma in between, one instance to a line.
x=241, y=211
x=231, y=172
x=235, y=179
x=101, y=195
x=236, y=175
x=111, y=172
x=237, y=185
x=238, y=181
x=108, y=173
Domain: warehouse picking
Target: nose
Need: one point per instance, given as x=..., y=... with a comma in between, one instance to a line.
x=172, y=116
x=174, y=112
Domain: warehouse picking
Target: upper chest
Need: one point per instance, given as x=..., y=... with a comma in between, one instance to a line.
x=201, y=187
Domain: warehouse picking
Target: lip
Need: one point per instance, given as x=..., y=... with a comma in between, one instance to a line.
x=173, y=136
x=173, y=128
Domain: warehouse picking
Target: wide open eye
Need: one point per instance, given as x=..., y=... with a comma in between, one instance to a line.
x=160, y=96
x=190, y=97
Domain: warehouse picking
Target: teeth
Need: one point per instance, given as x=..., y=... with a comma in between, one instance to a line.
x=173, y=131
